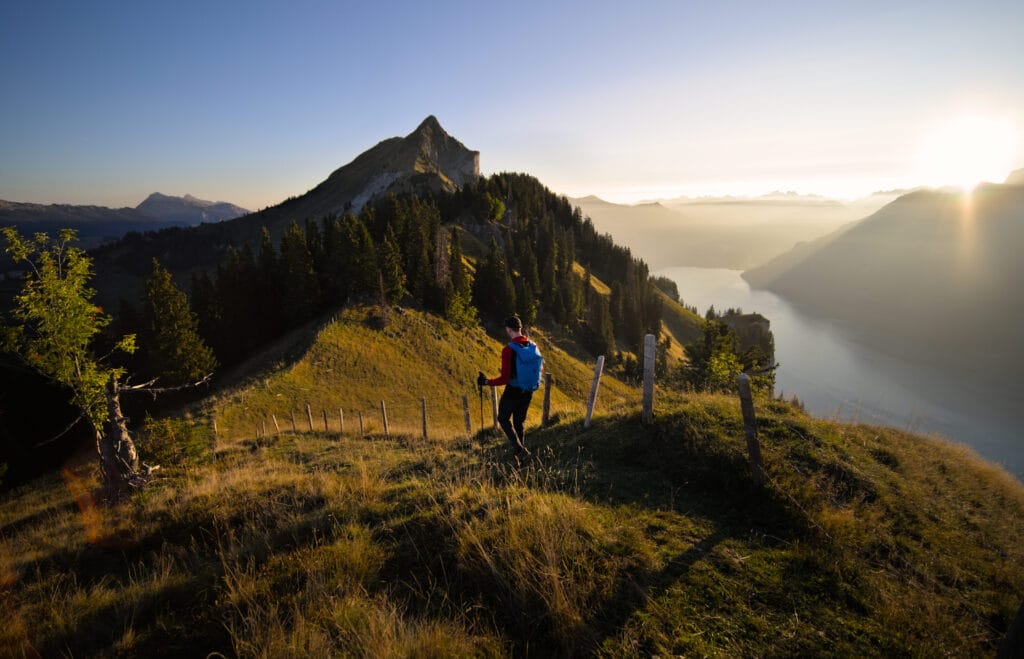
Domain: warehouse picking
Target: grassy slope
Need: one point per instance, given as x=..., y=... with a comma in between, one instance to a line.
x=353, y=367
x=621, y=539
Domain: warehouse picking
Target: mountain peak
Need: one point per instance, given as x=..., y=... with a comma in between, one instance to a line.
x=430, y=125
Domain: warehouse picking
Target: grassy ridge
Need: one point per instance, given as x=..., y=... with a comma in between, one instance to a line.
x=352, y=366
x=620, y=540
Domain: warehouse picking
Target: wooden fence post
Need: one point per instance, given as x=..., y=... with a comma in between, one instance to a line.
x=362, y=432
x=263, y=423
x=384, y=416
x=295, y=430
x=592, y=401
x=326, y=428
x=423, y=405
x=309, y=417
x=465, y=414
x=341, y=421
x=545, y=416
x=494, y=405
x=750, y=428
x=647, y=415
x=277, y=427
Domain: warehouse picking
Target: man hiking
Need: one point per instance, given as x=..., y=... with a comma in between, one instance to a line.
x=521, y=368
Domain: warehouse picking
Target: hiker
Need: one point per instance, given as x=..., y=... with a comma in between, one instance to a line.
x=521, y=368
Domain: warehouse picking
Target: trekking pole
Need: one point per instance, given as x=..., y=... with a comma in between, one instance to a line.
x=480, y=389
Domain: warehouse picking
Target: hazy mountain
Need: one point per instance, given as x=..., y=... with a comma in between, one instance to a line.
x=1016, y=177
x=188, y=210
x=931, y=275
x=723, y=232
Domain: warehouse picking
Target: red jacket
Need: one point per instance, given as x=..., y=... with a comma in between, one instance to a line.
x=506, y=363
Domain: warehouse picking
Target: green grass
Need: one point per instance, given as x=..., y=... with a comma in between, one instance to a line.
x=620, y=540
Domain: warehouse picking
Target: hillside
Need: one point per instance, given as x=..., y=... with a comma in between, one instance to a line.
x=921, y=276
x=621, y=540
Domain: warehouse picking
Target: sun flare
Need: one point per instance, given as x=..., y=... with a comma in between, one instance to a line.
x=968, y=150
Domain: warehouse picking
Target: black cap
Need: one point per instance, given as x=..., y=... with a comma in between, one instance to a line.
x=513, y=322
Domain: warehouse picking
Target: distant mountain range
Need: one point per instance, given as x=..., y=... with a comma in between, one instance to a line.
x=933, y=275
x=98, y=224
x=723, y=232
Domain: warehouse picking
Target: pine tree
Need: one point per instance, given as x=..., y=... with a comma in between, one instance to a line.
x=493, y=292
x=459, y=309
x=171, y=345
x=300, y=288
x=391, y=273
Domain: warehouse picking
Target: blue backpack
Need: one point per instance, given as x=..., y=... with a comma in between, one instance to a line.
x=527, y=366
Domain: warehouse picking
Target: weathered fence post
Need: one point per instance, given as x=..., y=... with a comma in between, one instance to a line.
x=326, y=428
x=341, y=421
x=465, y=414
x=650, y=343
x=750, y=428
x=423, y=405
x=295, y=430
x=263, y=423
x=546, y=410
x=384, y=416
x=362, y=432
x=277, y=427
x=494, y=405
x=592, y=401
x=309, y=417
x=257, y=431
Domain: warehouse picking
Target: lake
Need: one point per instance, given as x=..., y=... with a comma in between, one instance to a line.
x=839, y=376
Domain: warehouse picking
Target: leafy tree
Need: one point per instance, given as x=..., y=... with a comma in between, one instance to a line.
x=55, y=325
x=170, y=336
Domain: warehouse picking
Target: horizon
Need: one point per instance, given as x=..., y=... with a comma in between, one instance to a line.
x=654, y=102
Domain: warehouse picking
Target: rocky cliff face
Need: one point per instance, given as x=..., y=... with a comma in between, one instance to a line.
x=428, y=158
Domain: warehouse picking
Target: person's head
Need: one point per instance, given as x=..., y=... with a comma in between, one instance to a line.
x=513, y=326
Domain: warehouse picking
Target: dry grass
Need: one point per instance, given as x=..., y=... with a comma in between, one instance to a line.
x=620, y=540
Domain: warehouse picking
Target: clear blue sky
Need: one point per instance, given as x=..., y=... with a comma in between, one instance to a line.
x=251, y=102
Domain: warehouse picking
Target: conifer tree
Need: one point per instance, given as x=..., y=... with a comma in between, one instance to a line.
x=357, y=258
x=459, y=309
x=392, y=275
x=300, y=288
x=493, y=292
x=171, y=345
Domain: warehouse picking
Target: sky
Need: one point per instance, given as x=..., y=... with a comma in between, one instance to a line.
x=252, y=102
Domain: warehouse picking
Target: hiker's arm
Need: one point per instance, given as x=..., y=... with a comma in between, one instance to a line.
x=506, y=369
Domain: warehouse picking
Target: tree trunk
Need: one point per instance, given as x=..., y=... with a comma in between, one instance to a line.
x=119, y=463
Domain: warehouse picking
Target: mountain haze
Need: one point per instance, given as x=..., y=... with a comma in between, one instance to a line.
x=935, y=275
x=722, y=232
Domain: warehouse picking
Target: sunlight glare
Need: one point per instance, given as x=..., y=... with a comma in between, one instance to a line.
x=968, y=150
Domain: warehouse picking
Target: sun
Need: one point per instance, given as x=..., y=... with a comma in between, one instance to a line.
x=967, y=150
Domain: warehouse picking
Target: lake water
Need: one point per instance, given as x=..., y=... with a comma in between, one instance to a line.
x=838, y=376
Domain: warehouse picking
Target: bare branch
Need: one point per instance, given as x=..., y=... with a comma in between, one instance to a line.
x=146, y=387
x=62, y=432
